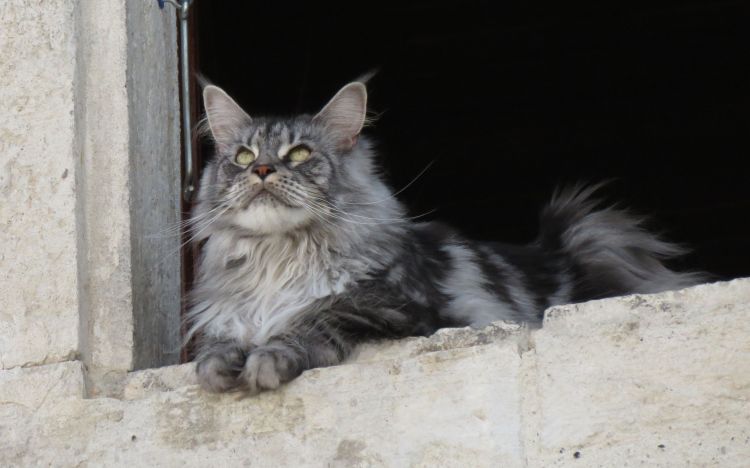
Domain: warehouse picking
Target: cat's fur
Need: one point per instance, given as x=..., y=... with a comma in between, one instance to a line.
x=325, y=258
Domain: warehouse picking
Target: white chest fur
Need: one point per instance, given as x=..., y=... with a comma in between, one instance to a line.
x=251, y=288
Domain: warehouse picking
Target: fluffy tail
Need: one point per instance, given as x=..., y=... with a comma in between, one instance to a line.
x=609, y=251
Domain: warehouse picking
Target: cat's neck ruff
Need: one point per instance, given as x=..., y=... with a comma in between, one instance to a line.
x=251, y=286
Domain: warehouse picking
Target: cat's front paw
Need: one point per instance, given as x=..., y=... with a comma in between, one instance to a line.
x=219, y=370
x=266, y=368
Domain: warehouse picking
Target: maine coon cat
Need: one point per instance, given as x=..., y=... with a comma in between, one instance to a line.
x=308, y=253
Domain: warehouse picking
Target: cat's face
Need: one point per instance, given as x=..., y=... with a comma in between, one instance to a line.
x=277, y=175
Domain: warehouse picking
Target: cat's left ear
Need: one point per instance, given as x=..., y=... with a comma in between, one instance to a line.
x=344, y=115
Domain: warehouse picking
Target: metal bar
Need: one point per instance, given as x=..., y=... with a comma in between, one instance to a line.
x=187, y=131
x=188, y=183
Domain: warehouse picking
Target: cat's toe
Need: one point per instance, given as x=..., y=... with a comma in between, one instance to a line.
x=263, y=370
x=217, y=374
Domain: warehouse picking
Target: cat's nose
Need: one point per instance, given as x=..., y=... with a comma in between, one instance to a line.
x=263, y=170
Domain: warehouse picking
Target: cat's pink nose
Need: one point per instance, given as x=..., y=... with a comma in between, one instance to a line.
x=263, y=171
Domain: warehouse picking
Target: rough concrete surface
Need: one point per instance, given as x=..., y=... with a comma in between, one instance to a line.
x=416, y=411
x=89, y=184
x=128, y=130
x=659, y=380
x=103, y=195
x=38, y=286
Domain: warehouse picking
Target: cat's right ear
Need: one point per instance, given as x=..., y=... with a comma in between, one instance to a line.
x=225, y=117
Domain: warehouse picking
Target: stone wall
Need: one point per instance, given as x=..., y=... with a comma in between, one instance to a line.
x=38, y=160
x=89, y=184
x=659, y=380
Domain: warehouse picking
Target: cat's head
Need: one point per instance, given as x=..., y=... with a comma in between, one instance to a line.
x=275, y=175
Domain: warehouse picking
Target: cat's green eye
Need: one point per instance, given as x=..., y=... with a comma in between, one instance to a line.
x=299, y=154
x=244, y=157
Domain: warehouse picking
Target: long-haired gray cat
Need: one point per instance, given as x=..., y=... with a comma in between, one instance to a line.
x=308, y=253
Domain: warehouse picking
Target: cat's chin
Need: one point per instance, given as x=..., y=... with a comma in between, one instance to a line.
x=276, y=218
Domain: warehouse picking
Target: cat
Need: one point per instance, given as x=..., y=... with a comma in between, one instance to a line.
x=307, y=252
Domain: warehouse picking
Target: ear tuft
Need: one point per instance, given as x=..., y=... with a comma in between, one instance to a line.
x=344, y=115
x=225, y=117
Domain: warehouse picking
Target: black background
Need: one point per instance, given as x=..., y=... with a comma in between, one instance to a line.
x=511, y=99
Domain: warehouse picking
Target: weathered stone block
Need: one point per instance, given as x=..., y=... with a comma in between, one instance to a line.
x=89, y=184
x=38, y=286
x=656, y=380
x=34, y=397
x=448, y=401
x=661, y=380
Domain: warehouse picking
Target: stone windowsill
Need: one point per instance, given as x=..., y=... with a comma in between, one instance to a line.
x=660, y=379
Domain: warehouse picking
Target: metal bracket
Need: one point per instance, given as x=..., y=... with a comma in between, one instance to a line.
x=183, y=8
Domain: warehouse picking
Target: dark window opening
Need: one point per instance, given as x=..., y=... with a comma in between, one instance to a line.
x=513, y=99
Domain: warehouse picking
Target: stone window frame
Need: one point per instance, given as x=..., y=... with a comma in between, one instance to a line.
x=128, y=202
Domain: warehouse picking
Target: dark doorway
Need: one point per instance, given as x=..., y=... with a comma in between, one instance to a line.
x=511, y=99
